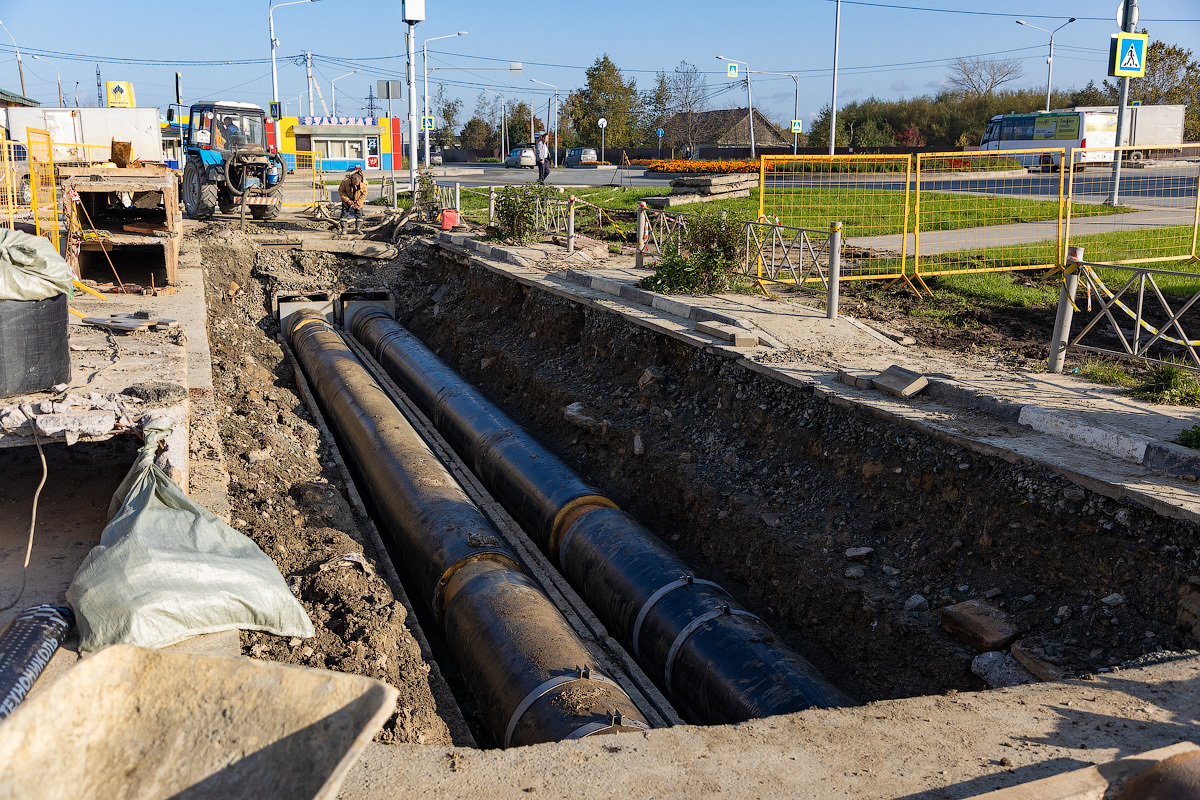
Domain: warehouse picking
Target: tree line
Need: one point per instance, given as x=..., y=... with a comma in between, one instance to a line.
x=676, y=102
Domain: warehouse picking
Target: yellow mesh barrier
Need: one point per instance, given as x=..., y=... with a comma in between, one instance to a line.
x=305, y=186
x=70, y=154
x=43, y=187
x=988, y=211
x=869, y=194
x=1157, y=192
x=14, y=202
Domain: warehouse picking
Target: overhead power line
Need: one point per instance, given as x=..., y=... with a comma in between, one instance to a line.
x=971, y=13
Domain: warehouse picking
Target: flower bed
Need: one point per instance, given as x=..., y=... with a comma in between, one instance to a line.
x=710, y=167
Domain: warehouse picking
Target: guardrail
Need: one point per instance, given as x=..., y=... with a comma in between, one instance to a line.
x=1140, y=300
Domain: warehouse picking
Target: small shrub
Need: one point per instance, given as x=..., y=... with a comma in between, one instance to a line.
x=1189, y=437
x=516, y=208
x=427, y=189
x=709, y=260
x=1169, y=385
x=489, y=160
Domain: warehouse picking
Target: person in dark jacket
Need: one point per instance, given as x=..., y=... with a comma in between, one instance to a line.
x=353, y=192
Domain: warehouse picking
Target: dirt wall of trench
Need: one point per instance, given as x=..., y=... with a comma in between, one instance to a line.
x=764, y=486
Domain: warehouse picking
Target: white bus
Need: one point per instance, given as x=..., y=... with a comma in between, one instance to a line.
x=1041, y=130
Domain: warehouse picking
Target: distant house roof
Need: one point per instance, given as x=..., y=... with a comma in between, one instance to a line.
x=730, y=127
x=13, y=99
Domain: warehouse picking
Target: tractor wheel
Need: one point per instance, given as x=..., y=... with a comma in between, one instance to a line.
x=268, y=212
x=199, y=198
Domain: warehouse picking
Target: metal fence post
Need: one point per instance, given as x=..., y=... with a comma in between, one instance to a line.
x=491, y=205
x=835, y=270
x=571, y=224
x=639, y=258
x=458, y=197
x=1066, y=312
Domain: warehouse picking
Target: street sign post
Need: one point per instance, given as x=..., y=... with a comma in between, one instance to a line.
x=428, y=124
x=602, y=123
x=390, y=90
x=731, y=70
x=660, y=133
x=797, y=126
x=1127, y=55
x=276, y=113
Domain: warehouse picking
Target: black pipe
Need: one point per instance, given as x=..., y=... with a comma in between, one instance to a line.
x=523, y=661
x=717, y=662
x=26, y=647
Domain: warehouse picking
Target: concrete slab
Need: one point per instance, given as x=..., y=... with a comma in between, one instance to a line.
x=900, y=382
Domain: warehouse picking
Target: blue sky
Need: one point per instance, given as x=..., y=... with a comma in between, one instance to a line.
x=889, y=48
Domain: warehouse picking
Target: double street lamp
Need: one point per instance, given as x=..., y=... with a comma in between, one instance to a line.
x=425, y=67
x=750, y=100
x=1050, y=58
x=796, y=111
x=274, y=71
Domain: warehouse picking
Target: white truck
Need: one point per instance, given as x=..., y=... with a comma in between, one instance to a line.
x=1152, y=127
x=91, y=126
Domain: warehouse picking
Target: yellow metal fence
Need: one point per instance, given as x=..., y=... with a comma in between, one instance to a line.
x=305, y=186
x=911, y=217
x=1158, y=188
x=43, y=184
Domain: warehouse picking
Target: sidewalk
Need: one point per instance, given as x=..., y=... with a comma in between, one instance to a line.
x=1093, y=434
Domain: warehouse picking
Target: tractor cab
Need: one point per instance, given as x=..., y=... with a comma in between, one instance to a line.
x=229, y=163
x=226, y=127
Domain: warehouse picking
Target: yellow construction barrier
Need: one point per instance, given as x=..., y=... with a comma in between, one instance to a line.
x=14, y=203
x=1158, y=190
x=987, y=212
x=307, y=181
x=869, y=194
x=43, y=184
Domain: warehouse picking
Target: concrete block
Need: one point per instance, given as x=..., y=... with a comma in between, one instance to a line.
x=456, y=240
x=743, y=339
x=717, y=330
x=1126, y=446
x=955, y=394
x=979, y=624
x=900, y=382
x=484, y=250
x=576, y=277
x=605, y=285
x=670, y=306
x=1173, y=459
x=858, y=378
x=636, y=295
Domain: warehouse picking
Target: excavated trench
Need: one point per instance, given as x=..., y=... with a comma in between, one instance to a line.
x=758, y=485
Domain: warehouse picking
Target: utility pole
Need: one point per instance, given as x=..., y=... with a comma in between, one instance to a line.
x=1128, y=25
x=308, y=66
x=750, y=106
x=837, y=38
x=412, y=106
x=371, y=101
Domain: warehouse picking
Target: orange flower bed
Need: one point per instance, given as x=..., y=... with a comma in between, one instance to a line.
x=714, y=167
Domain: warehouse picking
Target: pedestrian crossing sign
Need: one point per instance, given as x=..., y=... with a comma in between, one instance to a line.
x=427, y=124
x=731, y=70
x=797, y=126
x=1127, y=55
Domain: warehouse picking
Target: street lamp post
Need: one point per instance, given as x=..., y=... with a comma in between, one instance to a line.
x=425, y=69
x=61, y=104
x=1050, y=58
x=837, y=39
x=20, y=69
x=274, y=72
x=750, y=100
x=333, y=88
x=796, y=112
x=555, y=88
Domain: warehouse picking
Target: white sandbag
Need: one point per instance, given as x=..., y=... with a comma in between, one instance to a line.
x=30, y=268
x=167, y=569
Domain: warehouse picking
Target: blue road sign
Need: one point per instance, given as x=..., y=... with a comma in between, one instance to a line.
x=427, y=124
x=797, y=126
x=731, y=70
x=660, y=132
x=1128, y=54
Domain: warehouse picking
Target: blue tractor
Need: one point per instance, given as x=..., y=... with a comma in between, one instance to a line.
x=227, y=161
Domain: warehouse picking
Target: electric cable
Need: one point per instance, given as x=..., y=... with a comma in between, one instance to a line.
x=28, y=412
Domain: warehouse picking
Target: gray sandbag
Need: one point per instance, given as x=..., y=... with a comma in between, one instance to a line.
x=30, y=268
x=167, y=569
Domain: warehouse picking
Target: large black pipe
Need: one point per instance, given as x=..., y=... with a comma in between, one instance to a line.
x=717, y=662
x=523, y=661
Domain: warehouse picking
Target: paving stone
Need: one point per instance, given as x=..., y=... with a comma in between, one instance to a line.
x=900, y=382
x=979, y=624
x=717, y=330
x=671, y=306
x=858, y=378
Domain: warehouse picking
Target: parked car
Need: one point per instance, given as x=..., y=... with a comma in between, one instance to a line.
x=580, y=155
x=435, y=158
x=521, y=157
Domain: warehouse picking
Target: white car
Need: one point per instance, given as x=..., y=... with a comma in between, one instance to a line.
x=521, y=157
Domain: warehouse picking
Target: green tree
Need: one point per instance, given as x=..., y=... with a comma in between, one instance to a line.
x=1093, y=95
x=659, y=106
x=518, y=123
x=478, y=135
x=689, y=95
x=606, y=94
x=446, y=111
